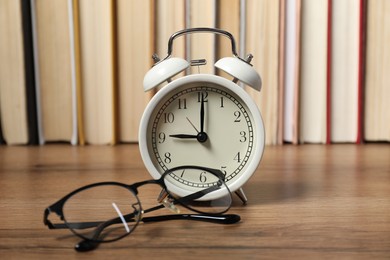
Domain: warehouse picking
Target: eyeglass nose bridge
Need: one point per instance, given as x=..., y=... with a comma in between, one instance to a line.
x=137, y=216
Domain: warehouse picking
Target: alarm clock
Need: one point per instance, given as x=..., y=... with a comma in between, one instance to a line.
x=202, y=119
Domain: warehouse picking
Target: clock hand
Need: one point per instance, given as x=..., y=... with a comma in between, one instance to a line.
x=192, y=125
x=201, y=137
x=202, y=115
x=184, y=136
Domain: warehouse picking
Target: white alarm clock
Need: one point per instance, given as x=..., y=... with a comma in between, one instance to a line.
x=202, y=119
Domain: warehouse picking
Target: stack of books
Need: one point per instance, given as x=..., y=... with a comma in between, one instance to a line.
x=72, y=70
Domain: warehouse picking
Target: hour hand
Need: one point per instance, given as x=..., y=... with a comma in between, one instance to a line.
x=201, y=137
x=184, y=136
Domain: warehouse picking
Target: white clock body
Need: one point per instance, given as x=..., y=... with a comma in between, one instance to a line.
x=232, y=138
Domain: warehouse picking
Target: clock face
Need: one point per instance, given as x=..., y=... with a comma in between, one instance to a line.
x=204, y=123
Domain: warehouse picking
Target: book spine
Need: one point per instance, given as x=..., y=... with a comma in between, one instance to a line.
x=329, y=76
x=297, y=79
x=282, y=46
x=361, y=65
x=32, y=119
x=41, y=140
x=2, y=141
x=77, y=70
x=114, y=62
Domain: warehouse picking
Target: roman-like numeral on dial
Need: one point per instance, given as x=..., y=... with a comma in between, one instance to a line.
x=237, y=157
x=182, y=103
x=169, y=118
x=237, y=114
x=205, y=96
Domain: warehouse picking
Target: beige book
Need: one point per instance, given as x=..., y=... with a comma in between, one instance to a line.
x=345, y=71
x=263, y=42
x=228, y=19
x=54, y=71
x=313, y=71
x=291, y=69
x=377, y=90
x=202, y=45
x=12, y=78
x=135, y=21
x=97, y=44
x=169, y=18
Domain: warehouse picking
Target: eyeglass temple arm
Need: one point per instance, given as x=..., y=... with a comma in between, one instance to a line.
x=88, y=245
x=218, y=219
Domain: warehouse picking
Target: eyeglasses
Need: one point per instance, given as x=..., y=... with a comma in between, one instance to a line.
x=109, y=211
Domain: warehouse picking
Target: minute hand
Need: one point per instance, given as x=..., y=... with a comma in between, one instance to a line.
x=202, y=115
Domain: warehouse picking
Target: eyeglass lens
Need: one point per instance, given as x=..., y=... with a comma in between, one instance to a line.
x=103, y=208
x=205, y=192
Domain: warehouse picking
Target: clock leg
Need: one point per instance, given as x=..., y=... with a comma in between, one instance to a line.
x=240, y=193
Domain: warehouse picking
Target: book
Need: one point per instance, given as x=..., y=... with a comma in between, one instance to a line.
x=29, y=72
x=170, y=17
x=291, y=77
x=2, y=141
x=53, y=60
x=362, y=68
x=13, y=98
x=329, y=75
x=135, y=22
x=228, y=19
x=98, y=79
x=263, y=42
x=377, y=77
x=202, y=45
x=313, y=72
x=345, y=69
x=281, y=72
x=76, y=69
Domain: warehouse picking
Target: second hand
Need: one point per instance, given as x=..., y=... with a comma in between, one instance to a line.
x=192, y=125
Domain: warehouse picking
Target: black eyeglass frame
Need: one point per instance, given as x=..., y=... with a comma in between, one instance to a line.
x=210, y=217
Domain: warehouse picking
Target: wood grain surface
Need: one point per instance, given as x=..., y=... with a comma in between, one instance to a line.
x=308, y=201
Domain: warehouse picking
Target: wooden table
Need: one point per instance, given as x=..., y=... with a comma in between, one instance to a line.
x=309, y=201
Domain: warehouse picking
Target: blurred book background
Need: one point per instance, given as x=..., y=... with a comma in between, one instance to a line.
x=72, y=70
